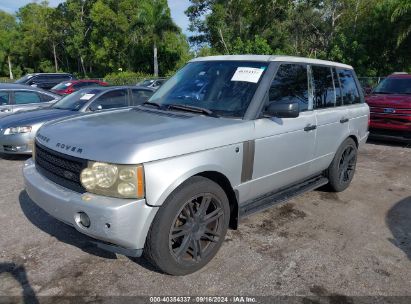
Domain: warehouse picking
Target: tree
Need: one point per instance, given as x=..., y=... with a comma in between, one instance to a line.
x=155, y=20
x=8, y=35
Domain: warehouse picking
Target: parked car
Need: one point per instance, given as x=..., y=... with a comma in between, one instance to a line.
x=154, y=83
x=70, y=86
x=18, y=98
x=17, y=131
x=228, y=137
x=390, y=106
x=44, y=80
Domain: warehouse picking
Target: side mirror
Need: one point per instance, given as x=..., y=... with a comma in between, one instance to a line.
x=96, y=108
x=281, y=109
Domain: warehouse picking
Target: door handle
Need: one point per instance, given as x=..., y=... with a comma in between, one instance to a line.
x=310, y=128
x=344, y=120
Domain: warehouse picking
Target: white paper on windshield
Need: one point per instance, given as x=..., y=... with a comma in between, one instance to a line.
x=247, y=74
x=68, y=84
x=87, y=96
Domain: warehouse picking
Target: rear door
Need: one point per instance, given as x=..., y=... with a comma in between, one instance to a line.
x=332, y=119
x=353, y=99
x=5, y=103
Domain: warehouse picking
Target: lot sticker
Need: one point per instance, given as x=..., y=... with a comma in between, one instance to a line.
x=87, y=96
x=247, y=74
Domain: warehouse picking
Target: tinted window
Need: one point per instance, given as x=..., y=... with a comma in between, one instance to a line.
x=26, y=97
x=324, y=95
x=82, y=84
x=4, y=98
x=77, y=100
x=290, y=84
x=111, y=100
x=62, y=86
x=349, y=88
x=394, y=86
x=140, y=96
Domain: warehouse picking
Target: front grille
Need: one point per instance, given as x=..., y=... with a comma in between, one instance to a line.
x=62, y=169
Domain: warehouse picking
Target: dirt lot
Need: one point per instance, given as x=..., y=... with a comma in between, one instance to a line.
x=353, y=243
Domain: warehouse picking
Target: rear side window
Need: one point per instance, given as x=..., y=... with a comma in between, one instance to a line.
x=26, y=97
x=4, y=98
x=290, y=84
x=338, y=92
x=349, y=88
x=111, y=100
x=324, y=94
x=46, y=97
x=140, y=96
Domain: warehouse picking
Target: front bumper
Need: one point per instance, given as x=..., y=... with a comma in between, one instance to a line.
x=121, y=222
x=17, y=144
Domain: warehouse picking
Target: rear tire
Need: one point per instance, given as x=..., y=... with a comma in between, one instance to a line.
x=189, y=228
x=341, y=171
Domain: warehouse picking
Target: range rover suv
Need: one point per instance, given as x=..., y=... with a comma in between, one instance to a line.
x=225, y=137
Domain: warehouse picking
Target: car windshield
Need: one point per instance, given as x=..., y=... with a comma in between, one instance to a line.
x=24, y=78
x=75, y=101
x=62, y=85
x=394, y=86
x=224, y=88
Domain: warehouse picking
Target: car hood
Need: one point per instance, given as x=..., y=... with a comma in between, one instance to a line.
x=397, y=101
x=132, y=136
x=33, y=117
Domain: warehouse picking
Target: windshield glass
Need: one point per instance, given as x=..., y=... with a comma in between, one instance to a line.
x=75, y=101
x=223, y=87
x=394, y=86
x=24, y=78
x=62, y=85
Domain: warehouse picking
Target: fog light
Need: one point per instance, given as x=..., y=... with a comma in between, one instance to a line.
x=83, y=219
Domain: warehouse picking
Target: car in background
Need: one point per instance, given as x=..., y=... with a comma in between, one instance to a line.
x=17, y=98
x=44, y=80
x=17, y=131
x=154, y=83
x=390, y=107
x=70, y=86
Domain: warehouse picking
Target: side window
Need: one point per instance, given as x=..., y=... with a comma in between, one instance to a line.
x=290, y=84
x=46, y=98
x=4, y=98
x=111, y=100
x=349, y=88
x=324, y=95
x=140, y=96
x=25, y=97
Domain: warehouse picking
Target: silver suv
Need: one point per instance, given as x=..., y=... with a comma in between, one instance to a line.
x=225, y=137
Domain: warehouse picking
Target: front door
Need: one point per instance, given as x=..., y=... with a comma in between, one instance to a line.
x=284, y=147
x=5, y=104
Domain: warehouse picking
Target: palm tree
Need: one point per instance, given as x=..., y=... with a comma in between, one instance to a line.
x=402, y=15
x=155, y=20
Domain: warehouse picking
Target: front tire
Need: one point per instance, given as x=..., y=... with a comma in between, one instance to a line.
x=189, y=228
x=341, y=171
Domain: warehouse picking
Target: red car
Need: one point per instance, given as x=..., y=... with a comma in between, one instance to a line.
x=390, y=108
x=68, y=87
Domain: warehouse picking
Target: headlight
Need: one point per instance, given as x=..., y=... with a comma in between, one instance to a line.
x=114, y=180
x=17, y=130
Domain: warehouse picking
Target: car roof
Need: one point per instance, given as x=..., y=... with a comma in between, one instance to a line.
x=98, y=89
x=269, y=58
x=49, y=74
x=17, y=86
x=399, y=75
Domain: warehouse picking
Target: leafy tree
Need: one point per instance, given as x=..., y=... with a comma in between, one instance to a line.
x=8, y=35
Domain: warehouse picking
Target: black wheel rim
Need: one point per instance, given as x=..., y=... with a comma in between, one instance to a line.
x=196, y=229
x=347, y=164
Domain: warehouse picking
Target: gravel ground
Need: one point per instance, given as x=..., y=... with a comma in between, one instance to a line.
x=357, y=242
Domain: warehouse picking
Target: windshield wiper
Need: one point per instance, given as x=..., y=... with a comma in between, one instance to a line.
x=149, y=103
x=191, y=109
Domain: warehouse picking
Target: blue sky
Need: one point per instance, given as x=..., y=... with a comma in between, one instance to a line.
x=177, y=8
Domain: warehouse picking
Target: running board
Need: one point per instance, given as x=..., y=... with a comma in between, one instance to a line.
x=273, y=198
